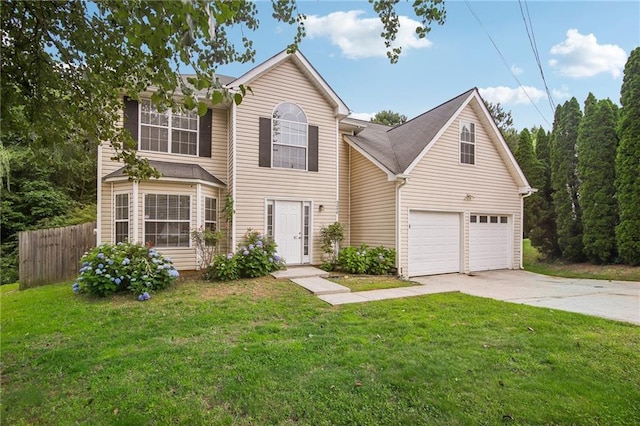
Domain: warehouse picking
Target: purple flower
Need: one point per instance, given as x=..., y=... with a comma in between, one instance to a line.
x=100, y=266
x=76, y=287
x=140, y=298
x=117, y=281
x=146, y=296
x=277, y=258
x=100, y=255
x=229, y=256
x=251, y=247
x=99, y=271
x=259, y=244
x=126, y=261
x=173, y=273
x=85, y=264
x=245, y=252
x=110, y=262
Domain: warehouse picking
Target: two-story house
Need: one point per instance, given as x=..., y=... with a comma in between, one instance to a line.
x=442, y=189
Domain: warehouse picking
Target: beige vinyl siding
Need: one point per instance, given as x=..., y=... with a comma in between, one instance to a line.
x=254, y=184
x=440, y=183
x=344, y=208
x=373, y=219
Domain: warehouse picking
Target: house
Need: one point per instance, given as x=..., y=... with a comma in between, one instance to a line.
x=443, y=189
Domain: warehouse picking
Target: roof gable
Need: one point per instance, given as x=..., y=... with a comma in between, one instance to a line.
x=399, y=149
x=340, y=108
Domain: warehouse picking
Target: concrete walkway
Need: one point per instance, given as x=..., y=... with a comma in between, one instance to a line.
x=617, y=300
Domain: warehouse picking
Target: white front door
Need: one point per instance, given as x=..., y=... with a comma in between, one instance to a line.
x=288, y=230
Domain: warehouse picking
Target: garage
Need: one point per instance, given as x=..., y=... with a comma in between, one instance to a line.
x=489, y=242
x=434, y=243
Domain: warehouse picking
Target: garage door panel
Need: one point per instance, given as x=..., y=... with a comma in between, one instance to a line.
x=434, y=243
x=490, y=245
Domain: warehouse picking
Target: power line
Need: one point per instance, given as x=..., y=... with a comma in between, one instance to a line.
x=532, y=42
x=504, y=61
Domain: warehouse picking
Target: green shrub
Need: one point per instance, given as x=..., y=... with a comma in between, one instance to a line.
x=255, y=258
x=223, y=268
x=354, y=260
x=380, y=260
x=365, y=260
x=110, y=268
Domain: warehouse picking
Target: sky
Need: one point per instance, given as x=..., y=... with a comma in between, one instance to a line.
x=582, y=47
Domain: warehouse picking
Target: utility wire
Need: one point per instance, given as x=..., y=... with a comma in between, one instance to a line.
x=504, y=61
x=532, y=41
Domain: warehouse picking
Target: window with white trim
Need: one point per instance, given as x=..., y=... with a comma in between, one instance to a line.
x=289, y=137
x=467, y=142
x=210, y=213
x=121, y=218
x=167, y=220
x=174, y=132
x=270, y=218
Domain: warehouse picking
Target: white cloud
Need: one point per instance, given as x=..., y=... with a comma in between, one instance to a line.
x=512, y=96
x=516, y=70
x=359, y=37
x=581, y=56
x=366, y=116
x=561, y=93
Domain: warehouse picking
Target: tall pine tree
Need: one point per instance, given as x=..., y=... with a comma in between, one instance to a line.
x=628, y=163
x=543, y=234
x=532, y=169
x=564, y=180
x=597, y=143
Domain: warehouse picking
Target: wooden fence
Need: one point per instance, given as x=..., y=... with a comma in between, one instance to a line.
x=53, y=255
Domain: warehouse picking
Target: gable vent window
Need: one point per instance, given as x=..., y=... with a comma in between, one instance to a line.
x=289, y=137
x=467, y=142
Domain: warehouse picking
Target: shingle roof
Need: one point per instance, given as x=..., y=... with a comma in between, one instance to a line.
x=397, y=147
x=175, y=170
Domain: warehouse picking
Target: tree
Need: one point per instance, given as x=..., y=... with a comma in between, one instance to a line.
x=389, y=118
x=628, y=163
x=75, y=59
x=543, y=234
x=534, y=173
x=597, y=143
x=564, y=179
x=504, y=121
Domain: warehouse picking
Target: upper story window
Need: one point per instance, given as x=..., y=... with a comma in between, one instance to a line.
x=174, y=132
x=289, y=137
x=467, y=142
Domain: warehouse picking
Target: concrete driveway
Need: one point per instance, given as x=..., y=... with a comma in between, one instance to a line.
x=617, y=300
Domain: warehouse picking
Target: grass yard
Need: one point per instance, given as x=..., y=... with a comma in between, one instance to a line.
x=577, y=270
x=370, y=282
x=265, y=351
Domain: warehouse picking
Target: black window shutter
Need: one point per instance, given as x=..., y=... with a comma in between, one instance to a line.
x=131, y=118
x=264, y=140
x=205, y=134
x=313, y=149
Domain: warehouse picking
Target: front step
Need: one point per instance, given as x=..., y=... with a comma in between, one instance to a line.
x=319, y=286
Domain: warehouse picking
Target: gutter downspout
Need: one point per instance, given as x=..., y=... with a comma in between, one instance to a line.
x=530, y=191
x=401, y=180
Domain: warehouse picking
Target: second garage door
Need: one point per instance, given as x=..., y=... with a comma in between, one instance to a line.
x=434, y=243
x=489, y=242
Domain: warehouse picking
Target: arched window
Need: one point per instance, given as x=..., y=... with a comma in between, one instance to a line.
x=289, y=137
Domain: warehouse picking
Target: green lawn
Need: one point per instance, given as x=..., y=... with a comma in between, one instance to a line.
x=576, y=270
x=265, y=351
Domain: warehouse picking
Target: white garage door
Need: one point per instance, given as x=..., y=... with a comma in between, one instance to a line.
x=489, y=242
x=434, y=243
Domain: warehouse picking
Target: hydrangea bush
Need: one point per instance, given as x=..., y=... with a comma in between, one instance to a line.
x=255, y=258
x=114, y=268
x=365, y=260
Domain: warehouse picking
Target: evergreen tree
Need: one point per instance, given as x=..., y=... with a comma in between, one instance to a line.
x=543, y=234
x=597, y=143
x=628, y=163
x=564, y=180
x=532, y=170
